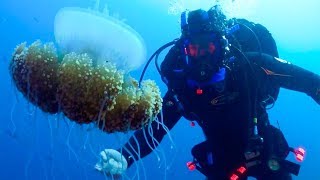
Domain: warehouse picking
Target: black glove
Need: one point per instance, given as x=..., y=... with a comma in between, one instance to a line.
x=316, y=96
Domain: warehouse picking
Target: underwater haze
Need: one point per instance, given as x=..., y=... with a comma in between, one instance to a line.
x=38, y=146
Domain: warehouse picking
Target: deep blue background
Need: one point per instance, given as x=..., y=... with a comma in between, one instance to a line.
x=34, y=145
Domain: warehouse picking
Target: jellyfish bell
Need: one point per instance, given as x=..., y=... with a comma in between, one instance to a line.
x=103, y=37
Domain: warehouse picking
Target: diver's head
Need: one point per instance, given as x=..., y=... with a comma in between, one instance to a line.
x=203, y=41
x=201, y=21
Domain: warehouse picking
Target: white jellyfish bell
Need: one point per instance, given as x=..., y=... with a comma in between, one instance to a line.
x=105, y=38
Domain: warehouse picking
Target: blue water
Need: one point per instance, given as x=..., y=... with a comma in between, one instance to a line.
x=36, y=146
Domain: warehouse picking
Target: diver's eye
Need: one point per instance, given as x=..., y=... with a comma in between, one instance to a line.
x=193, y=50
x=211, y=48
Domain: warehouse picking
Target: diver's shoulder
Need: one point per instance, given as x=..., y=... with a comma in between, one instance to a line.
x=257, y=56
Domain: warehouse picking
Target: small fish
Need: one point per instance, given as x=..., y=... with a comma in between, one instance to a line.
x=36, y=19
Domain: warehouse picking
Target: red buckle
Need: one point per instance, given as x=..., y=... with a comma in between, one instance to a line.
x=234, y=177
x=299, y=153
x=191, y=165
x=199, y=91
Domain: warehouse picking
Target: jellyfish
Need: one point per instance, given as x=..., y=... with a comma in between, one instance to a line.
x=86, y=77
x=103, y=37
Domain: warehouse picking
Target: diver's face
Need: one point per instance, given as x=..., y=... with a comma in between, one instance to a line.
x=202, y=47
x=204, y=53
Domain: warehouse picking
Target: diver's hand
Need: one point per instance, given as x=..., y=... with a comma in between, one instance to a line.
x=316, y=96
x=317, y=99
x=111, y=162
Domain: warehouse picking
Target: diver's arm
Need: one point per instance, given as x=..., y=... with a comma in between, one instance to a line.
x=287, y=75
x=171, y=115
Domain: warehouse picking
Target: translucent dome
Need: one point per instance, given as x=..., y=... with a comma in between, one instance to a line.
x=103, y=37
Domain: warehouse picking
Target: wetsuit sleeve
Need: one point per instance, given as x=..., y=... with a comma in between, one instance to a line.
x=141, y=140
x=286, y=75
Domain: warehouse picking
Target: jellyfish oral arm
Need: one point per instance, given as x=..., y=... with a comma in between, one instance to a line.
x=111, y=162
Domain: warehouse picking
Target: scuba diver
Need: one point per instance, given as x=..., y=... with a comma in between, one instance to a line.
x=224, y=75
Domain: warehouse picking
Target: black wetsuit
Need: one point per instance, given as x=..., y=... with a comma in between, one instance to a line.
x=224, y=109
